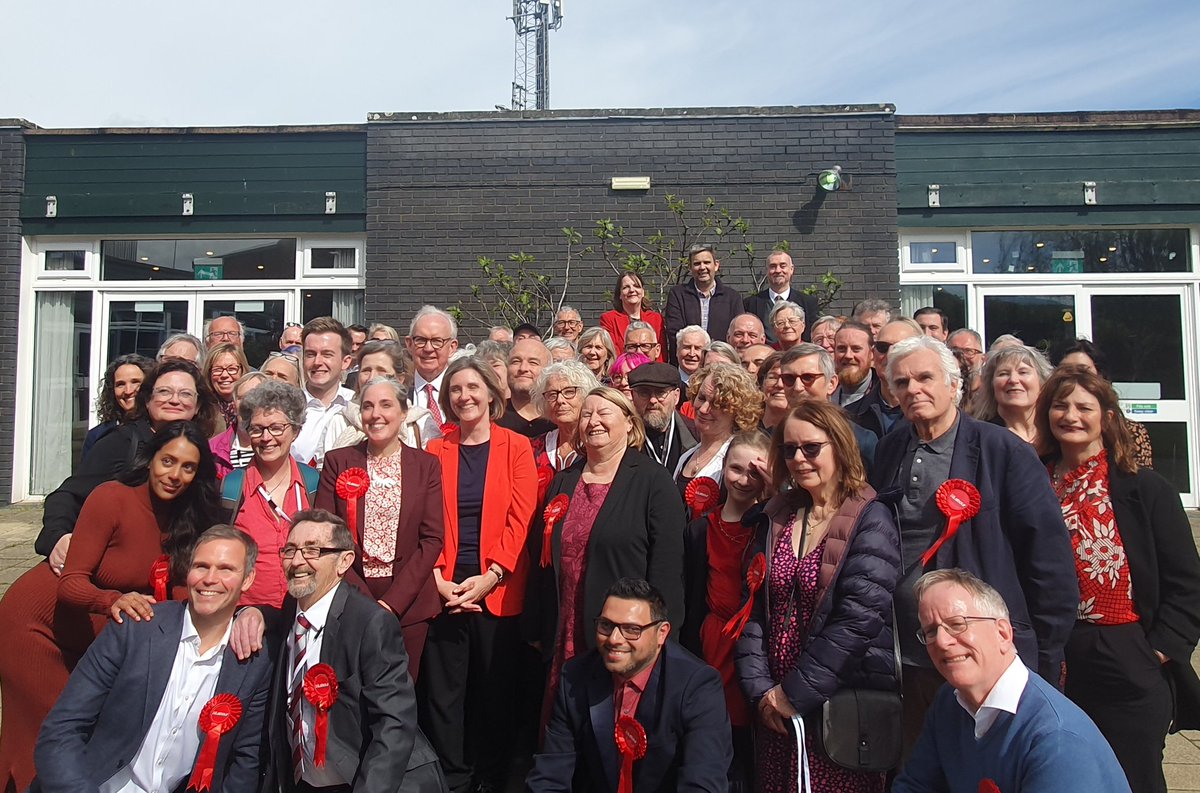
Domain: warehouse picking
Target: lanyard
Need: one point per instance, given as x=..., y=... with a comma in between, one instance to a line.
x=262, y=491
x=668, y=442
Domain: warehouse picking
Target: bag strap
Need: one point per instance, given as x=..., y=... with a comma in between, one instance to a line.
x=231, y=492
x=803, y=777
x=312, y=479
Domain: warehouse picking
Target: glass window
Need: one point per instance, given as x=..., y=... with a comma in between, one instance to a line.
x=950, y=298
x=1042, y=321
x=65, y=261
x=1169, y=439
x=62, y=350
x=197, y=260
x=344, y=305
x=142, y=326
x=1087, y=252
x=932, y=253
x=262, y=319
x=1142, y=337
x=334, y=258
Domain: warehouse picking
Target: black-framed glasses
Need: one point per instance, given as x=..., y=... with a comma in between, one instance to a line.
x=954, y=626
x=810, y=450
x=224, y=334
x=570, y=392
x=568, y=323
x=255, y=431
x=309, y=552
x=968, y=351
x=882, y=347
x=629, y=630
x=808, y=378
x=643, y=348
x=425, y=341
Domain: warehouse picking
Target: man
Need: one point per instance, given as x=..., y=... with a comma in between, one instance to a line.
x=640, y=337
x=852, y=350
x=745, y=330
x=969, y=345
x=655, y=388
x=1017, y=542
x=501, y=334
x=933, y=322
x=806, y=372
x=753, y=357
x=182, y=347
x=326, y=358
x=704, y=300
x=995, y=721
x=873, y=313
x=128, y=720
x=635, y=672
x=224, y=330
x=779, y=287
x=373, y=743
x=432, y=338
x=358, y=337
x=568, y=324
x=878, y=410
x=290, y=337
x=525, y=362
x=690, y=343
x=526, y=330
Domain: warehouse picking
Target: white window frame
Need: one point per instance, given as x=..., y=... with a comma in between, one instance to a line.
x=91, y=261
x=305, y=246
x=960, y=239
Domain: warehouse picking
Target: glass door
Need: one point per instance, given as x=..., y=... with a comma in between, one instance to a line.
x=263, y=314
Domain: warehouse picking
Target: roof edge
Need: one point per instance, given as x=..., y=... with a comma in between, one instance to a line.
x=631, y=113
x=16, y=123
x=254, y=130
x=1083, y=119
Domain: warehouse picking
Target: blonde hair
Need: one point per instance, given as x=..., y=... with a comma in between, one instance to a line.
x=735, y=392
x=637, y=430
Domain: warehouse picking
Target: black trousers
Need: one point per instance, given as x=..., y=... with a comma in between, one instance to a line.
x=467, y=696
x=1114, y=676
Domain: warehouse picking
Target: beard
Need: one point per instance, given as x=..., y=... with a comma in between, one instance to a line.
x=657, y=420
x=852, y=377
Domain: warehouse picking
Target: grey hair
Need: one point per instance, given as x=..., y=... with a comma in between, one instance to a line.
x=399, y=390
x=873, y=306
x=725, y=350
x=946, y=359
x=504, y=328
x=987, y=600
x=826, y=320
x=248, y=377
x=274, y=395
x=223, y=531
x=183, y=337
x=637, y=324
x=555, y=343
x=966, y=332
x=806, y=349
x=491, y=351
x=983, y=403
x=784, y=305
x=564, y=309
x=433, y=311
x=241, y=327
x=692, y=329
x=1006, y=340
x=605, y=341
x=701, y=247
x=573, y=372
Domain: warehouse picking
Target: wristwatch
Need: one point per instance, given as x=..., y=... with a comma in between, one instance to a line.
x=498, y=571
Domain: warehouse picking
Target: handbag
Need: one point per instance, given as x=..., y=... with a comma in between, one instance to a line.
x=861, y=730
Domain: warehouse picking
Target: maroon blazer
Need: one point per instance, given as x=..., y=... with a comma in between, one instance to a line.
x=419, y=535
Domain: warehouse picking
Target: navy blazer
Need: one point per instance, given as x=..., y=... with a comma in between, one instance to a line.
x=1018, y=542
x=683, y=309
x=682, y=710
x=101, y=719
x=759, y=304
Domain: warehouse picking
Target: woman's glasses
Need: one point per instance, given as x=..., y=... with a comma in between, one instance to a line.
x=810, y=450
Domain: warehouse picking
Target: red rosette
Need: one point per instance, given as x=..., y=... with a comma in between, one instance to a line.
x=219, y=715
x=631, y=743
x=321, y=691
x=756, y=574
x=160, y=571
x=988, y=786
x=702, y=495
x=958, y=500
x=545, y=475
x=553, y=513
x=447, y=427
x=352, y=484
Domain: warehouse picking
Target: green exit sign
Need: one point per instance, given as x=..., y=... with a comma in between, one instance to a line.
x=208, y=272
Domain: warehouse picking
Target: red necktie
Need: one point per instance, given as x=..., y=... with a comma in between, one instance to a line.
x=433, y=405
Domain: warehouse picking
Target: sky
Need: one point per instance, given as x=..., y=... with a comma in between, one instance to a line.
x=82, y=63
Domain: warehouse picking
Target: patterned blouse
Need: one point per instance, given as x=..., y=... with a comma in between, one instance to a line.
x=381, y=509
x=1105, y=593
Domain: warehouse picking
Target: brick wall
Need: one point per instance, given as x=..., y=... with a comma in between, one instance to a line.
x=12, y=181
x=443, y=190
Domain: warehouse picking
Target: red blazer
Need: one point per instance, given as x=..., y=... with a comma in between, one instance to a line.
x=509, y=496
x=617, y=322
x=412, y=594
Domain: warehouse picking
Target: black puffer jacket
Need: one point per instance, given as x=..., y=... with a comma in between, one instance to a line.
x=848, y=642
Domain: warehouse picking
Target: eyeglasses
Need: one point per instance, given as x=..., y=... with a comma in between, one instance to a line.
x=225, y=334
x=255, y=431
x=786, y=323
x=568, y=323
x=629, y=630
x=810, y=450
x=953, y=625
x=292, y=325
x=968, y=351
x=164, y=394
x=644, y=347
x=309, y=552
x=570, y=392
x=424, y=341
x=808, y=378
x=882, y=347
x=287, y=356
x=230, y=370
x=617, y=380
x=649, y=392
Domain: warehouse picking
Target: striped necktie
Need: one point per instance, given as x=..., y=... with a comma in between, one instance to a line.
x=434, y=411
x=296, y=689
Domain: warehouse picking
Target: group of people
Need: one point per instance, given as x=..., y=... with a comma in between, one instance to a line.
x=388, y=550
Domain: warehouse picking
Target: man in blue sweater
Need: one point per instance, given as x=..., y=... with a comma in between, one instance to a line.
x=995, y=721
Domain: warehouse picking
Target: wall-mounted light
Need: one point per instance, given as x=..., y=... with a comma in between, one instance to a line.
x=1089, y=193
x=187, y=203
x=51, y=206
x=330, y=202
x=631, y=183
x=833, y=179
x=933, y=196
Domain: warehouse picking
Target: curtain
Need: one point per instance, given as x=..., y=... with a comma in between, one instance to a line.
x=348, y=306
x=53, y=391
x=913, y=298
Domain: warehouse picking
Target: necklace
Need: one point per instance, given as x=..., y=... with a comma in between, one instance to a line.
x=735, y=537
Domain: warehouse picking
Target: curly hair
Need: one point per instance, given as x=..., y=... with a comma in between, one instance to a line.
x=735, y=392
x=106, y=399
x=205, y=416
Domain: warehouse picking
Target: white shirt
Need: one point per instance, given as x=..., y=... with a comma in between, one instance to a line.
x=1003, y=697
x=705, y=300
x=310, y=441
x=168, y=752
x=712, y=470
x=317, y=615
x=420, y=397
x=778, y=296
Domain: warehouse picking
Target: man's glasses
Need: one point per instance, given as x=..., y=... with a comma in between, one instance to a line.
x=810, y=450
x=164, y=394
x=808, y=378
x=255, y=431
x=309, y=552
x=425, y=341
x=649, y=392
x=643, y=348
x=968, y=351
x=570, y=392
x=629, y=630
x=225, y=334
x=568, y=323
x=953, y=625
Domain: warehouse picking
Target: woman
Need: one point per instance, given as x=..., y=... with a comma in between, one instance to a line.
x=1084, y=353
x=822, y=620
x=495, y=355
x=726, y=400
x=263, y=496
x=622, y=365
x=715, y=556
x=1011, y=382
x=174, y=392
x=117, y=400
x=1139, y=575
x=787, y=320
x=629, y=304
x=223, y=365
x=824, y=330
x=770, y=383
x=284, y=367
x=558, y=395
x=489, y=486
x=382, y=359
x=232, y=448
x=596, y=352
x=720, y=352
x=561, y=349
x=399, y=520
x=381, y=332
x=624, y=519
x=160, y=506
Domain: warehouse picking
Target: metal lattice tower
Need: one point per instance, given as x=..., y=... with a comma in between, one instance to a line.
x=533, y=20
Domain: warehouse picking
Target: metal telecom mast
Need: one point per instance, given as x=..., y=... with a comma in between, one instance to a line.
x=533, y=19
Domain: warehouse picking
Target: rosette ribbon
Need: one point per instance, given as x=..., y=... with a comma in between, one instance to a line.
x=988, y=786
x=545, y=475
x=756, y=574
x=958, y=500
x=631, y=743
x=447, y=427
x=553, y=513
x=159, y=572
x=701, y=495
x=219, y=715
x=321, y=690
x=351, y=485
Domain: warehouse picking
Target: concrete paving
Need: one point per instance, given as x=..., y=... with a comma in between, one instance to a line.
x=20, y=523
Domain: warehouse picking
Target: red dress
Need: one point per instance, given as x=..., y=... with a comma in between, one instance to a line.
x=726, y=548
x=617, y=322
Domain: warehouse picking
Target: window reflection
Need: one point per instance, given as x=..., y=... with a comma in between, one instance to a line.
x=197, y=260
x=1080, y=252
